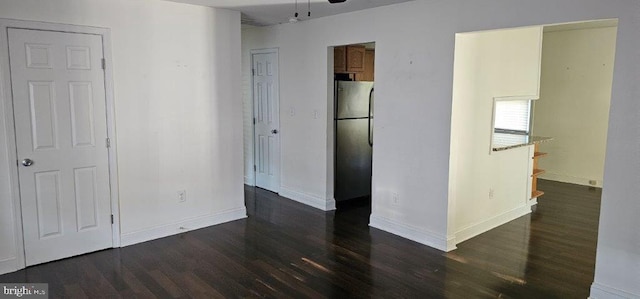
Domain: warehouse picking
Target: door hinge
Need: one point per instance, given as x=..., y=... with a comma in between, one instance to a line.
x=104, y=64
x=254, y=168
x=111, y=218
x=253, y=72
x=108, y=142
x=254, y=120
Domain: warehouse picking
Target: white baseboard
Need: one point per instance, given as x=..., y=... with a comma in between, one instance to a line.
x=491, y=223
x=308, y=199
x=599, y=291
x=569, y=179
x=249, y=181
x=182, y=226
x=8, y=265
x=411, y=232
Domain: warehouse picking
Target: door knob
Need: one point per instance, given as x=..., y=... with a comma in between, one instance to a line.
x=27, y=162
x=274, y=131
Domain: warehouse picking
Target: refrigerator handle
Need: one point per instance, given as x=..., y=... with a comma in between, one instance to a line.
x=369, y=118
x=336, y=85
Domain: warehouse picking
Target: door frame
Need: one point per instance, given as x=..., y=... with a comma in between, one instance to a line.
x=6, y=98
x=253, y=112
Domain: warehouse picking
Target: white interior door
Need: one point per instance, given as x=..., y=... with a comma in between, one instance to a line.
x=60, y=120
x=267, y=120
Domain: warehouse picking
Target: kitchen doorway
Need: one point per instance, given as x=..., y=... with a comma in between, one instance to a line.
x=353, y=123
x=566, y=72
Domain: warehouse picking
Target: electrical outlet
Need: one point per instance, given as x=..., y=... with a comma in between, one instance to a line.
x=491, y=193
x=316, y=114
x=395, y=198
x=292, y=111
x=182, y=196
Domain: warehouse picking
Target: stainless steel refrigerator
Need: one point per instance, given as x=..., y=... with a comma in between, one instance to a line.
x=353, y=139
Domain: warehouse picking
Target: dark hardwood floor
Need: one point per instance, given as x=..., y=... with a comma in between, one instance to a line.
x=288, y=250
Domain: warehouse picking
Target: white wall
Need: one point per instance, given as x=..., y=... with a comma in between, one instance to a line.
x=414, y=77
x=577, y=72
x=401, y=70
x=488, y=188
x=178, y=111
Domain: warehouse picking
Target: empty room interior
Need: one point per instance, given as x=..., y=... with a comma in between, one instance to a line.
x=319, y=148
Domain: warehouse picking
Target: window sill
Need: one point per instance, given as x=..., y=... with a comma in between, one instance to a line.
x=503, y=141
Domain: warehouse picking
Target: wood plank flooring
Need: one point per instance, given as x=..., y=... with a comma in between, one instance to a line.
x=288, y=250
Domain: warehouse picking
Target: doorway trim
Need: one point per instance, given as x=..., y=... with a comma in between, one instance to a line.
x=253, y=113
x=6, y=97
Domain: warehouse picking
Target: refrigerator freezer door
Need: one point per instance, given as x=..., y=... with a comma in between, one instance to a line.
x=353, y=99
x=353, y=159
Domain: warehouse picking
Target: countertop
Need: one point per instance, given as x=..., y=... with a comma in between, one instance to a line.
x=504, y=141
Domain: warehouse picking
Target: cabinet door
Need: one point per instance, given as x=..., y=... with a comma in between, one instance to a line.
x=340, y=59
x=369, y=67
x=355, y=59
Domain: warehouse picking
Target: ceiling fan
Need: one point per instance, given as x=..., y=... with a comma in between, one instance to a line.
x=294, y=19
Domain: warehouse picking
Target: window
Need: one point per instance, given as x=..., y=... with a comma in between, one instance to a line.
x=512, y=116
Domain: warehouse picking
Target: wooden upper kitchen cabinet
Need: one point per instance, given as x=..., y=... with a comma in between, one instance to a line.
x=340, y=59
x=349, y=59
x=355, y=59
x=369, y=65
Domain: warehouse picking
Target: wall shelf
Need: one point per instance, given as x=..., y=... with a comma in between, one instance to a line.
x=535, y=193
x=537, y=172
x=539, y=154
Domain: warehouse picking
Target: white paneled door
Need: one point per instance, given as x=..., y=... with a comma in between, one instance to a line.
x=266, y=114
x=60, y=121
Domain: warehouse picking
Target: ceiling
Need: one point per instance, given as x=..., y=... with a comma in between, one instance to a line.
x=271, y=12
